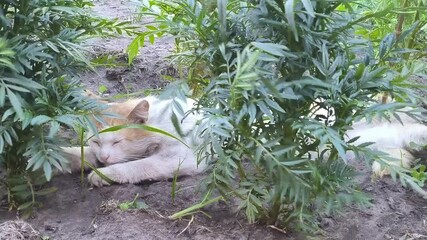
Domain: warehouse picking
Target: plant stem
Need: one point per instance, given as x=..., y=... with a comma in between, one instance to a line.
x=275, y=210
x=33, y=198
x=82, y=154
x=193, y=208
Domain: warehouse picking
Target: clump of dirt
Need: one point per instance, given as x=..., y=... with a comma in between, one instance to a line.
x=18, y=230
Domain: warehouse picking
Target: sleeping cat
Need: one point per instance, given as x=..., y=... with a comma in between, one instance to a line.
x=133, y=155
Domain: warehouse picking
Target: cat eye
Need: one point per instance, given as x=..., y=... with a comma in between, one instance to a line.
x=114, y=143
x=96, y=142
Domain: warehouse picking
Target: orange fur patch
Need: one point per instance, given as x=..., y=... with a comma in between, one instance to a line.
x=123, y=110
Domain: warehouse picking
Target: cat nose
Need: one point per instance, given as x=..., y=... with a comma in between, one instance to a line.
x=104, y=157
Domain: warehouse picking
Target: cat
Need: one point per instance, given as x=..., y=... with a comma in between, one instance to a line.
x=392, y=137
x=133, y=155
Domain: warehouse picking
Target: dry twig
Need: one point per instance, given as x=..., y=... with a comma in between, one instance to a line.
x=277, y=229
x=188, y=225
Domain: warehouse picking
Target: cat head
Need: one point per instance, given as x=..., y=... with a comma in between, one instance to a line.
x=126, y=144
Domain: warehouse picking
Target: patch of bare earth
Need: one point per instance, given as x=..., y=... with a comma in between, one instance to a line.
x=148, y=71
x=18, y=230
x=76, y=212
x=396, y=213
x=79, y=212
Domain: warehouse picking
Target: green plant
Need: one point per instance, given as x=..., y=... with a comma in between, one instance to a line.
x=419, y=174
x=279, y=83
x=390, y=19
x=102, y=89
x=134, y=204
x=385, y=17
x=40, y=54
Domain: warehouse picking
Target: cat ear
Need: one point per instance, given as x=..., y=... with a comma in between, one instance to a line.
x=140, y=113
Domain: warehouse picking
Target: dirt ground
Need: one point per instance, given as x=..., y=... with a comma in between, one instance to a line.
x=79, y=212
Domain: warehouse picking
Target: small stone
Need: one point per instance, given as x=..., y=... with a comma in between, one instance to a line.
x=50, y=228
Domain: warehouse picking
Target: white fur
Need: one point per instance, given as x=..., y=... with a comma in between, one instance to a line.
x=392, y=138
x=166, y=154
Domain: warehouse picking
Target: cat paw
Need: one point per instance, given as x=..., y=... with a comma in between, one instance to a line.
x=96, y=180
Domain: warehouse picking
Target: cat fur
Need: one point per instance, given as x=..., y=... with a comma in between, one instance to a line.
x=133, y=155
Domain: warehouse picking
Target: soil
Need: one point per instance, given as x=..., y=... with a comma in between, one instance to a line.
x=148, y=72
x=80, y=212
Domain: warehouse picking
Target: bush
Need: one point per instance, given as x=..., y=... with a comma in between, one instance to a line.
x=279, y=83
x=39, y=94
x=389, y=19
x=385, y=17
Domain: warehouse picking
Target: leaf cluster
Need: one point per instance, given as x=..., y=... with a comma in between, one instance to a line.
x=384, y=20
x=279, y=84
x=40, y=96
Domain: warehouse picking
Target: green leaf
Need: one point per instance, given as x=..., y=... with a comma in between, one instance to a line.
x=309, y=7
x=39, y=161
x=134, y=46
x=222, y=18
x=68, y=119
x=290, y=17
x=25, y=205
x=293, y=162
x=141, y=205
x=102, y=89
x=151, y=38
x=46, y=191
x=271, y=48
x=274, y=105
x=301, y=172
x=152, y=28
x=16, y=103
x=47, y=169
x=282, y=150
x=17, y=88
x=38, y=120
x=7, y=138
x=1, y=145
x=2, y=95
x=19, y=188
x=386, y=44
x=124, y=206
x=24, y=82
x=221, y=132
